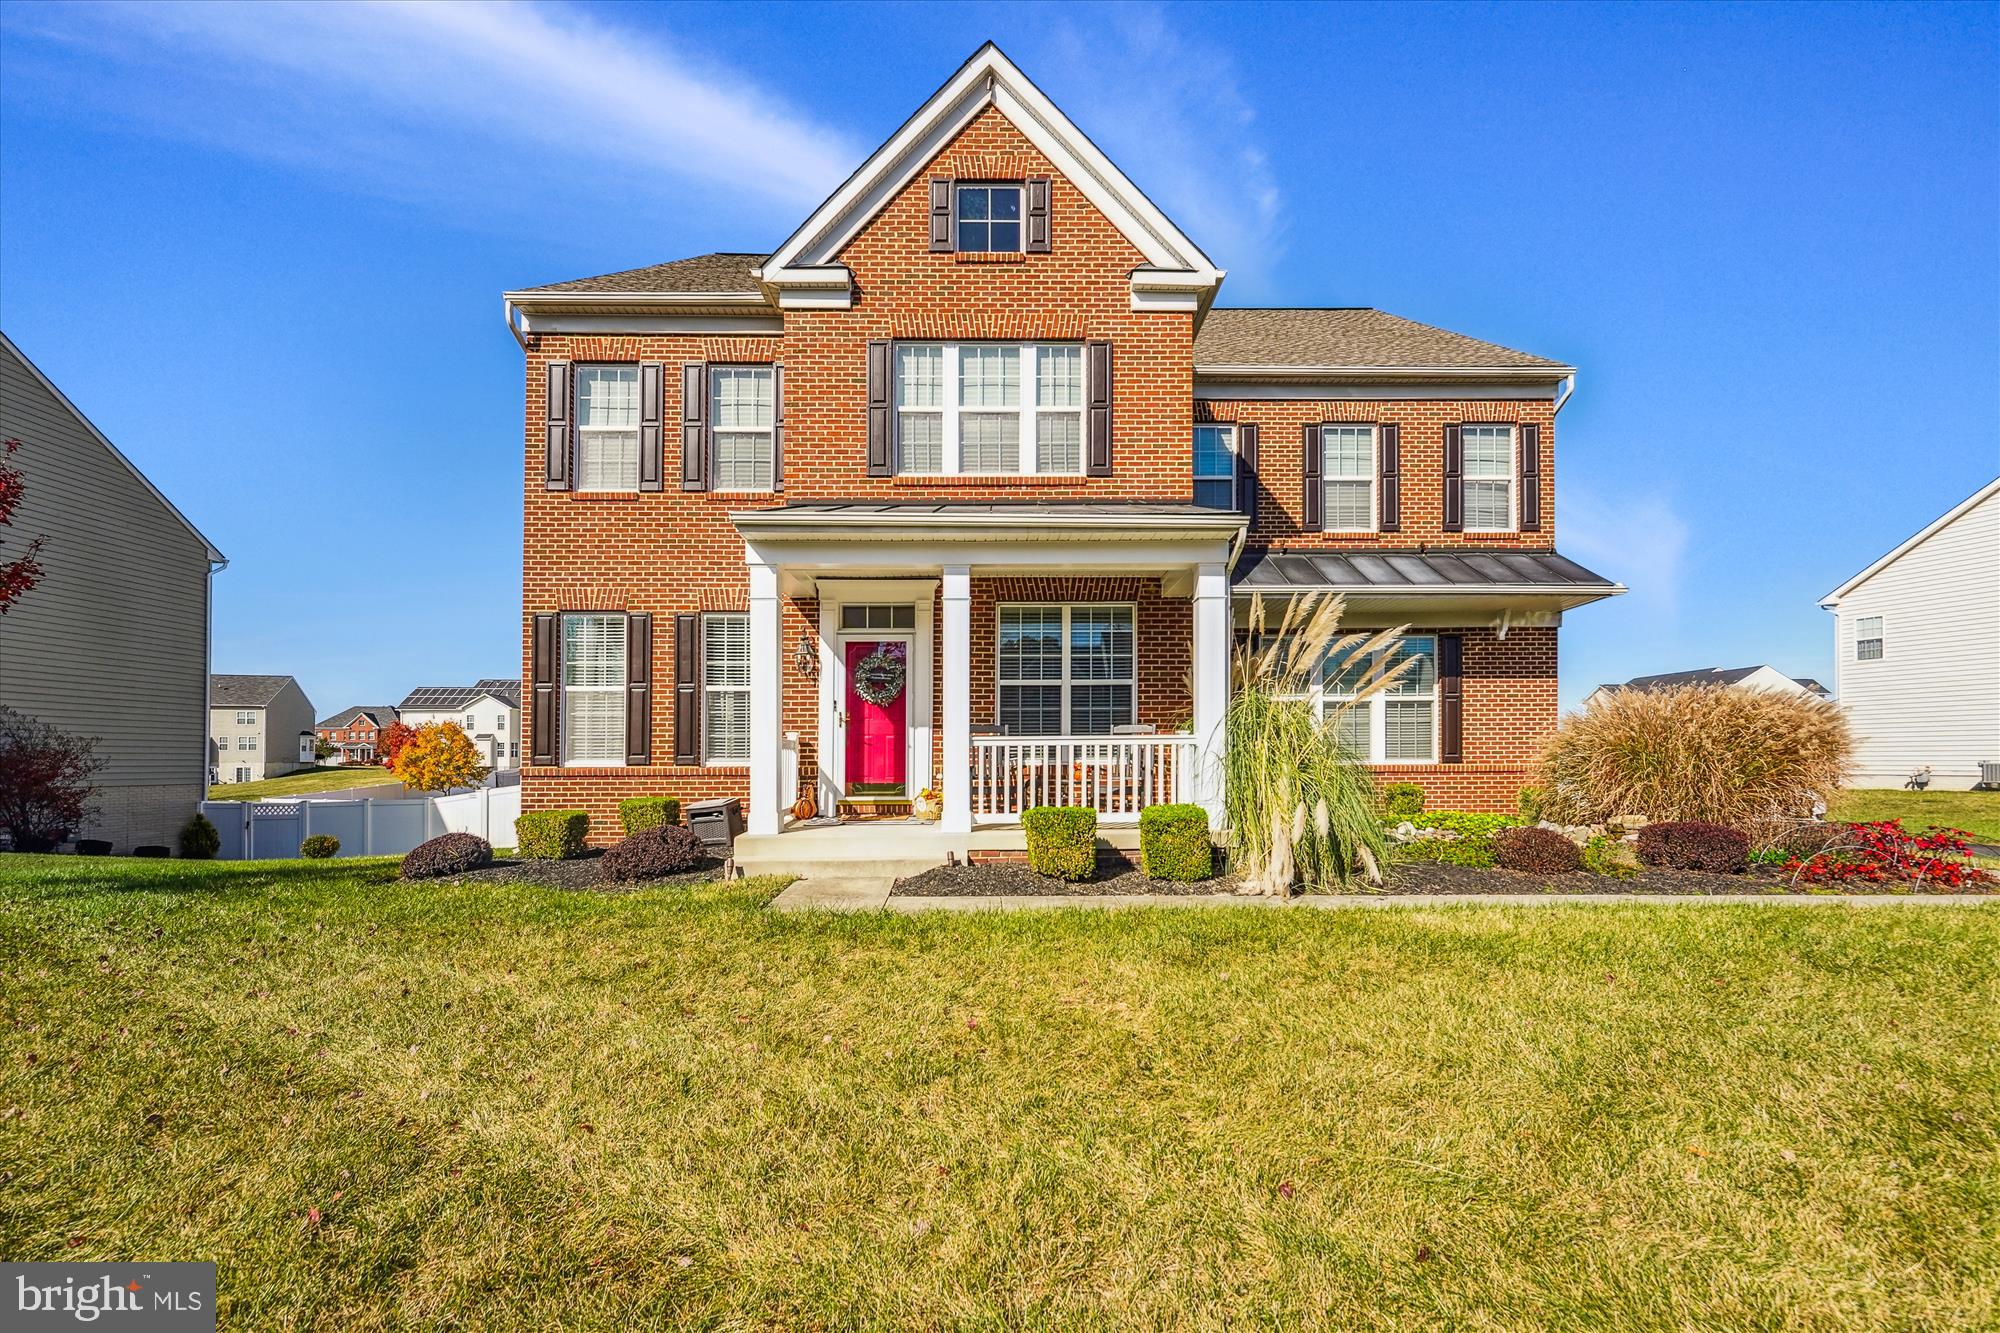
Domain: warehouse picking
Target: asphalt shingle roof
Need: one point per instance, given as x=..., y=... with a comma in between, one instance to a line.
x=244, y=691
x=1357, y=337
x=1705, y=676
x=382, y=713
x=724, y=271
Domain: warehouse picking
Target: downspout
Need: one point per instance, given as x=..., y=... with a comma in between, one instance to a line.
x=216, y=564
x=507, y=312
x=1568, y=388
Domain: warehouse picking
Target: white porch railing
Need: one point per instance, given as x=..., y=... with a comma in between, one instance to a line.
x=1117, y=776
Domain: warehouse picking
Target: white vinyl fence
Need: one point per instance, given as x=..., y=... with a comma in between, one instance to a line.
x=273, y=830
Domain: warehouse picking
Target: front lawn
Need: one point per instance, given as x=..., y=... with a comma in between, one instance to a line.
x=1977, y=812
x=504, y=1106
x=301, y=783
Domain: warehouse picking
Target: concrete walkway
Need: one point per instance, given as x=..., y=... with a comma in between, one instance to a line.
x=859, y=894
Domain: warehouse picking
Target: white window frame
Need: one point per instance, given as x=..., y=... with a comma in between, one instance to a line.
x=1066, y=679
x=1229, y=436
x=566, y=759
x=718, y=373
x=246, y=743
x=1513, y=523
x=1880, y=638
x=1376, y=708
x=950, y=409
x=709, y=757
x=245, y=718
x=242, y=773
x=1373, y=476
x=1020, y=218
x=638, y=412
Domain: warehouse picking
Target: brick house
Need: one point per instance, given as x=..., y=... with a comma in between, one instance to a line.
x=969, y=483
x=354, y=733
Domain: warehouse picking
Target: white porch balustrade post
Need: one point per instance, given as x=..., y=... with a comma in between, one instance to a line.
x=767, y=704
x=1211, y=686
x=955, y=778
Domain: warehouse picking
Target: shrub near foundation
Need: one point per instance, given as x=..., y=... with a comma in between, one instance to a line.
x=1173, y=843
x=1062, y=841
x=1695, y=844
x=653, y=853
x=1538, y=850
x=552, y=835
x=640, y=813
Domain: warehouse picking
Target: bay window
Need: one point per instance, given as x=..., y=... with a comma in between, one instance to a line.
x=1397, y=725
x=1002, y=408
x=593, y=689
x=607, y=428
x=1215, y=467
x=742, y=406
x=725, y=688
x=1066, y=670
x=1348, y=463
x=1489, y=477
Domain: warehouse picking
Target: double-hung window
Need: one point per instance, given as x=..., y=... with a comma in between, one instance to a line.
x=1347, y=461
x=1868, y=638
x=1001, y=408
x=742, y=404
x=246, y=742
x=1397, y=725
x=593, y=689
x=245, y=718
x=1489, y=477
x=1066, y=670
x=1215, y=467
x=988, y=217
x=725, y=688
x=471, y=723
x=607, y=428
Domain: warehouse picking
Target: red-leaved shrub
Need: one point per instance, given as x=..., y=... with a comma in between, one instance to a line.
x=664, y=849
x=451, y=854
x=1694, y=844
x=1538, y=850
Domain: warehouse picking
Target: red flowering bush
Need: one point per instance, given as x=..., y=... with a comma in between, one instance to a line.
x=1884, y=852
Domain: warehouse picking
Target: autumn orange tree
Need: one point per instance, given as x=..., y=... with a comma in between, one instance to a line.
x=439, y=757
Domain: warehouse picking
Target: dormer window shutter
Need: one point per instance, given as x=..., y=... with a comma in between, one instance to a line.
x=1098, y=462
x=1389, y=488
x=652, y=390
x=1312, y=464
x=1531, y=478
x=694, y=426
x=1246, y=473
x=1038, y=215
x=941, y=228
x=556, y=441
x=542, y=692
x=777, y=428
x=1454, y=480
x=639, y=689
x=880, y=462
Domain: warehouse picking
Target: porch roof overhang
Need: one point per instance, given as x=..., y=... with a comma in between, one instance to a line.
x=1423, y=583
x=849, y=539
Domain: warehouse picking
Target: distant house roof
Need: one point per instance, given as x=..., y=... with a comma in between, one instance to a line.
x=244, y=691
x=721, y=272
x=458, y=696
x=1346, y=338
x=377, y=714
x=1709, y=676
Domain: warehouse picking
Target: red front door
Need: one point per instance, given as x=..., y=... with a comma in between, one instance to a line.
x=875, y=729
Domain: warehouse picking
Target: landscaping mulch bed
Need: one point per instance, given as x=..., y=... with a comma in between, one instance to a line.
x=1014, y=879
x=584, y=873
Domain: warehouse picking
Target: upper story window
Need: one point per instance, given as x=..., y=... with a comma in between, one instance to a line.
x=1348, y=471
x=593, y=689
x=1489, y=477
x=989, y=407
x=1215, y=467
x=607, y=428
x=1868, y=638
x=471, y=723
x=988, y=217
x=245, y=718
x=742, y=407
x=1397, y=725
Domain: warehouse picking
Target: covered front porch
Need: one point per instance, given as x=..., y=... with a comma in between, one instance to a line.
x=999, y=655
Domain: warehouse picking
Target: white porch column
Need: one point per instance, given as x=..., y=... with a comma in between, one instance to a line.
x=957, y=736
x=1211, y=685
x=767, y=699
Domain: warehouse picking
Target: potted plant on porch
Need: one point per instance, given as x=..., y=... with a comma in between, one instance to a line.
x=928, y=804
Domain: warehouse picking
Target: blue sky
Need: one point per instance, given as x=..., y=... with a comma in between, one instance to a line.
x=263, y=248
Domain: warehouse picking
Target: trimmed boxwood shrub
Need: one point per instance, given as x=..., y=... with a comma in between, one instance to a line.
x=552, y=835
x=640, y=813
x=1695, y=844
x=320, y=846
x=666, y=849
x=1402, y=800
x=200, y=840
x=1537, y=850
x=1173, y=843
x=1062, y=841
x=452, y=854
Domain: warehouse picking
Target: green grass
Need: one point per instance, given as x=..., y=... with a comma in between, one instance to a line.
x=1977, y=812
x=300, y=783
x=518, y=1108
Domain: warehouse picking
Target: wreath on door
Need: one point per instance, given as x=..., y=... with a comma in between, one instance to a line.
x=878, y=677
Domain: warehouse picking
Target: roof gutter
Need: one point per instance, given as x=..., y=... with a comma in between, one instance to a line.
x=516, y=306
x=1510, y=374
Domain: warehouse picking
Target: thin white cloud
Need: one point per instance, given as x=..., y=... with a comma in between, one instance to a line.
x=1641, y=541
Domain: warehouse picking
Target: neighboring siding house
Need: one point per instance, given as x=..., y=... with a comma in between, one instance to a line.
x=488, y=712
x=1916, y=651
x=259, y=727
x=354, y=732
x=968, y=485
x=114, y=641
x=1741, y=678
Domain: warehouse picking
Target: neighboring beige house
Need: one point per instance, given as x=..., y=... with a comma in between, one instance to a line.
x=1916, y=651
x=488, y=711
x=1741, y=678
x=114, y=641
x=260, y=727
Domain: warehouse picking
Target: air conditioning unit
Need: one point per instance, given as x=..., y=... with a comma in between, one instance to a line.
x=1989, y=776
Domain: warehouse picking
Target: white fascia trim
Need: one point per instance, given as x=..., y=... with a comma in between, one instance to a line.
x=1832, y=599
x=663, y=300
x=1520, y=374
x=773, y=521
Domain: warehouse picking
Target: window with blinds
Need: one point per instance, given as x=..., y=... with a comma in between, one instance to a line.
x=1066, y=670
x=989, y=407
x=1215, y=467
x=1348, y=473
x=1489, y=477
x=593, y=689
x=1396, y=726
x=743, y=408
x=725, y=688
x=607, y=428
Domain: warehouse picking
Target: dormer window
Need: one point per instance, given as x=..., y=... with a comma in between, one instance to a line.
x=988, y=218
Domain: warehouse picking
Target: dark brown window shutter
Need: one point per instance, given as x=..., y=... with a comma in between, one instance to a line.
x=542, y=691
x=1246, y=473
x=1451, y=698
x=639, y=689
x=694, y=426
x=1454, y=481
x=1531, y=478
x=652, y=390
x=687, y=689
x=1098, y=462
x=777, y=428
x=1389, y=488
x=556, y=441
x=880, y=461
x=941, y=229
x=1038, y=215
x=1312, y=463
